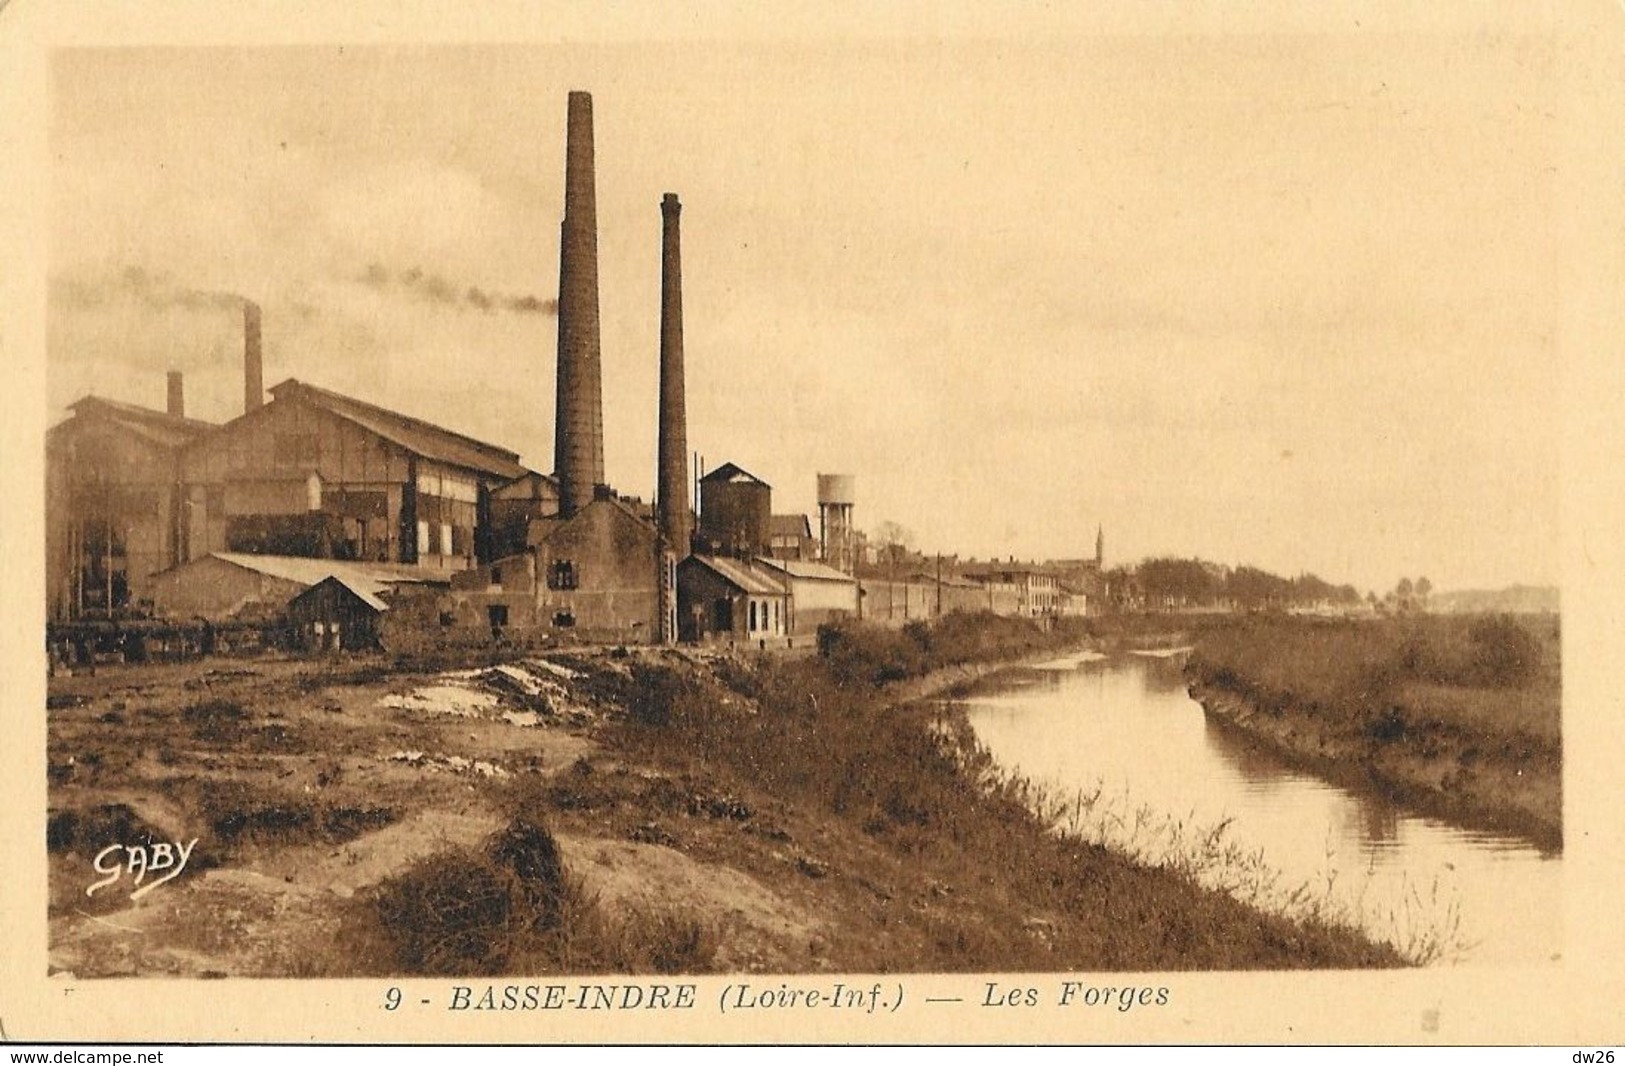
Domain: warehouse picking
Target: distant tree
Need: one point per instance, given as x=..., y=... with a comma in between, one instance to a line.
x=895, y=542
x=1177, y=582
x=1404, y=589
x=1424, y=588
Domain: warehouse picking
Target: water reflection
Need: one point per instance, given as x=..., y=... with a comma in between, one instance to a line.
x=1126, y=730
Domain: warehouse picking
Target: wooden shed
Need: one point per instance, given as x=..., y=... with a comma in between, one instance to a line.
x=335, y=614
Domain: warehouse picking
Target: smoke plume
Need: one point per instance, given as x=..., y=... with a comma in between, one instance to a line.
x=435, y=289
x=138, y=285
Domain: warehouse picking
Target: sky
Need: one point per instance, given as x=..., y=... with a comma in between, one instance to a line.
x=1285, y=299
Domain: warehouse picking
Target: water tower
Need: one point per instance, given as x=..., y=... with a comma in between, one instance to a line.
x=836, y=494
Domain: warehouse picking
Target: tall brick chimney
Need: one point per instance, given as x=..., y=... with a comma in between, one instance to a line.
x=578, y=428
x=177, y=397
x=253, y=369
x=671, y=497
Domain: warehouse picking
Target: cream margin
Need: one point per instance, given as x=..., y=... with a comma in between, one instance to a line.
x=1577, y=1002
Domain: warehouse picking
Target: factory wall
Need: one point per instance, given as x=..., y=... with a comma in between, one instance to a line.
x=599, y=575
x=110, y=501
x=294, y=479
x=735, y=516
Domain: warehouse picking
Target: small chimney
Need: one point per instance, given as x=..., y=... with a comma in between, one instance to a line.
x=177, y=398
x=253, y=369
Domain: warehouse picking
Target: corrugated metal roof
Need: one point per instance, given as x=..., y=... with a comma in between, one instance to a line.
x=789, y=525
x=742, y=575
x=355, y=575
x=162, y=428
x=360, y=592
x=413, y=434
x=804, y=571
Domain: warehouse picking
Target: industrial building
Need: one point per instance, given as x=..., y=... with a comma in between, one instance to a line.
x=233, y=585
x=317, y=474
x=344, y=521
x=732, y=601
x=112, y=486
x=736, y=509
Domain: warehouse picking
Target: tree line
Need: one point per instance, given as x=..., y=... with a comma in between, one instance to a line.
x=1170, y=582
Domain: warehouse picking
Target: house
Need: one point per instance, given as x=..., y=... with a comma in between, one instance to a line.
x=1036, y=589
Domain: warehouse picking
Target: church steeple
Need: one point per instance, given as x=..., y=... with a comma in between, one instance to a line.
x=1100, y=548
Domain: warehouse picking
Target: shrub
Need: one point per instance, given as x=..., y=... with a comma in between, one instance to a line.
x=1505, y=654
x=472, y=912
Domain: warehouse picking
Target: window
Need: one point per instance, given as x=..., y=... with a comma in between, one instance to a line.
x=753, y=616
x=497, y=615
x=564, y=619
x=562, y=575
x=445, y=539
x=447, y=618
x=424, y=548
x=496, y=575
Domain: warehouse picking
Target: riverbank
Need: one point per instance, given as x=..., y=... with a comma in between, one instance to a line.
x=634, y=812
x=1457, y=718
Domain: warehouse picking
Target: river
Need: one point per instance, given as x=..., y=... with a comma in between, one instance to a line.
x=1148, y=774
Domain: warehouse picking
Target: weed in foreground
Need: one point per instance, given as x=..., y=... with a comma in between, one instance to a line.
x=511, y=906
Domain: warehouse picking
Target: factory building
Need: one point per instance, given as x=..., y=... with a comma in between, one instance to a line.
x=317, y=474
x=590, y=565
x=736, y=509
x=737, y=602
x=112, y=503
x=356, y=521
x=818, y=593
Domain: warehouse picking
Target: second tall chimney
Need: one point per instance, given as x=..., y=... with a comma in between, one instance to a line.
x=253, y=370
x=177, y=397
x=578, y=427
x=671, y=494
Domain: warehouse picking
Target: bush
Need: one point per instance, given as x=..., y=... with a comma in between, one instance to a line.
x=1505, y=654
x=473, y=912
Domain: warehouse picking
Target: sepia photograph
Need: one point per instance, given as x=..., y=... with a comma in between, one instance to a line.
x=860, y=521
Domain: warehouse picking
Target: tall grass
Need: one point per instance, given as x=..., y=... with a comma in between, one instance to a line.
x=818, y=733
x=1425, y=928
x=1498, y=676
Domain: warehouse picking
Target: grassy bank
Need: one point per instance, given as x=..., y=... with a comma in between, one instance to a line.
x=1459, y=715
x=651, y=811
